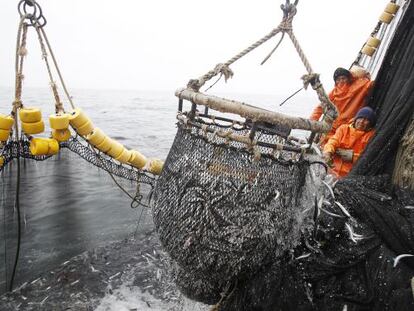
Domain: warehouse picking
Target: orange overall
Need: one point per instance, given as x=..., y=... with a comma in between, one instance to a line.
x=348, y=101
x=347, y=137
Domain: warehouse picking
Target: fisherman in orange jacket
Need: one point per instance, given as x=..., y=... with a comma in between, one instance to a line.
x=348, y=96
x=349, y=141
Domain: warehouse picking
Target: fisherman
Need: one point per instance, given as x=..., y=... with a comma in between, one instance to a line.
x=344, y=148
x=348, y=95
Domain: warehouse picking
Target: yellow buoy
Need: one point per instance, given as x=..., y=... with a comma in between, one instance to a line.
x=368, y=50
x=116, y=149
x=1, y=161
x=33, y=128
x=358, y=71
x=6, y=122
x=137, y=159
x=96, y=137
x=78, y=118
x=105, y=145
x=392, y=8
x=43, y=146
x=386, y=18
x=30, y=115
x=4, y=134
x=53, y=146
x=85, y=129
x=374, y=42
x=124, y=156
x=61, y=135
x=39, y=146
x=155, y=166
x=59, y=121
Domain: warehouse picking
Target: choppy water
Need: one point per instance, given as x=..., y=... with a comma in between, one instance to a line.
x=70, y=206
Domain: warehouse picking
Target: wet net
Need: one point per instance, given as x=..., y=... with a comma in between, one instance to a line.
x=222, y=211
x=21, y=149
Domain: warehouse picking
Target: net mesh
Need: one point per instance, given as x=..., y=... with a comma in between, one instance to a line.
x=221, y=213
x=15, y=149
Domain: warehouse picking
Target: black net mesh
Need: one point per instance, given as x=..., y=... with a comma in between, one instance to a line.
x=392, y=98
x=220, y=213
x=14, y=149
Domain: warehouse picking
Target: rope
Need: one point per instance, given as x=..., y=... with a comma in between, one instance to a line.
x=57, y=68
x=289, y=11
x=58, y=103
x=286, y=24
x=20, y=53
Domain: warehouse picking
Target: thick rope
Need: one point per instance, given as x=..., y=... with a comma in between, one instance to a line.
x=58, y=103
x=285, y=25
x=19, y=61
x=57, y=68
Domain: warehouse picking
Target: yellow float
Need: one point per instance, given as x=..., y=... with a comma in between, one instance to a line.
x=6, y=122
x=155, y=166
x=59, y=121
x=85, y=129
x=137, y=159
x=43, y=146
x=368, y=50
x=30, y=115
x=386, y=18
x=78, y=118
x=116, y=149
x=4, y=134
x=61, y=135
x=124, y=156
x=374, y=42
x=33, y=128
x=105, y=145
x=392, y=8
x=96, y=137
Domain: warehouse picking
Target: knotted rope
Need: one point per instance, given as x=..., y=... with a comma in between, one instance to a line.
x=285, y=26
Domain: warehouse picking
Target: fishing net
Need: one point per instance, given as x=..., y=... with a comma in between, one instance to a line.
x=15, y=149
x=221, y=212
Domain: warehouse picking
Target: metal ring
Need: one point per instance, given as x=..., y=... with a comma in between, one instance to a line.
x=33, y=12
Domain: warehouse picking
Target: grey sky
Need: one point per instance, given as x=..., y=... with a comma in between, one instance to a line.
x=161, y=44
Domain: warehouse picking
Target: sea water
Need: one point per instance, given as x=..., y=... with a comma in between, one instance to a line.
x=69, y=206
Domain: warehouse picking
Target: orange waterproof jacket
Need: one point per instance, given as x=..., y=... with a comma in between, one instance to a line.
x=347, y=137
x=348, y=101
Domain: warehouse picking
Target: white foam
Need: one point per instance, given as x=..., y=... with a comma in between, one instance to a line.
x=128, y=298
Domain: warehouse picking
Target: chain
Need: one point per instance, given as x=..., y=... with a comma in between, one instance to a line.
x=31, y=10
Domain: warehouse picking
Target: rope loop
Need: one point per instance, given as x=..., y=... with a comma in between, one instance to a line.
x=312, y=79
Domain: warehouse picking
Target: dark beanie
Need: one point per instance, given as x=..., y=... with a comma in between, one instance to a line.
x=341, y=72
x=367, y=113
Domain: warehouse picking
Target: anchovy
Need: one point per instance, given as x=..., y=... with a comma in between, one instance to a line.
x=303, y=256
x=343, y=209
x=329, y=213
x=353, y=236
x=409, y=207
x=329, y=188
x=115, y=275
x=43, y=301
x=399, y=257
